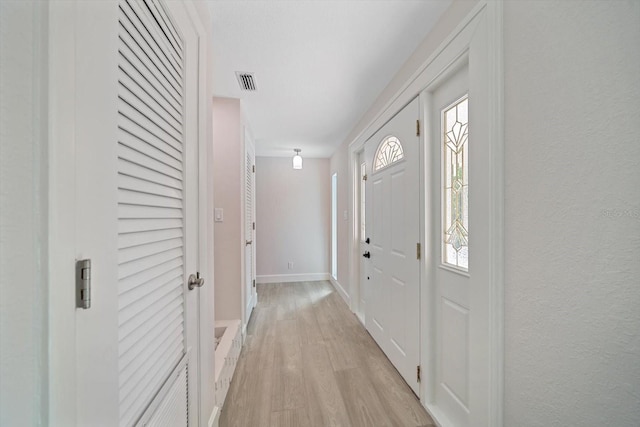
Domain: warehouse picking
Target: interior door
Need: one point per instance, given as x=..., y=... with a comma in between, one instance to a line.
x=392, y=207
x=251, y=296
x=137, y=216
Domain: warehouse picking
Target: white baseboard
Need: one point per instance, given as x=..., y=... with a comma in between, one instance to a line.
x=284, y=278
x=214, y=419
x=345, y=296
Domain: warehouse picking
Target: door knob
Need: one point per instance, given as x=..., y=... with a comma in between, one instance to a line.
x=367, y=254
x=367, y=241
x=195, y=281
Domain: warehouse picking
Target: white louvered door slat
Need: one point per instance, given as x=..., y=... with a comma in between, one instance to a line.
x=167, y=413
x=132, y=65
x=136, y=24
x=137, y=57
x=151, y=213
x=159, y=39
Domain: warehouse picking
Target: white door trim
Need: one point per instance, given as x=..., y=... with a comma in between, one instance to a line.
x=451, y=49
x=205, y=231
x=62, y=202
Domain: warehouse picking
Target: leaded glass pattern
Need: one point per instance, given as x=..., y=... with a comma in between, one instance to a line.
x=455, y=146
x=389, y=151
x=363, y=204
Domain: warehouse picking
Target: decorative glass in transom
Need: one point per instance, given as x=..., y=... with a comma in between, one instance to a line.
x=389, y=151
x=455, y=169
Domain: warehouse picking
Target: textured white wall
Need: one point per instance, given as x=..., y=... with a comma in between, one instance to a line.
x=228, y=195
x=293, y=216
x=23, y=214
x=572, y=102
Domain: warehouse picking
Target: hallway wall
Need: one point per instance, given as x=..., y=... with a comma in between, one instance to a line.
x=23, y=214
x=228, y=145
x=572, y=138
x=293, y=219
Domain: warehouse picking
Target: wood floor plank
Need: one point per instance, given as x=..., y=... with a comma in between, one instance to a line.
x=396, y=396
x=286, y=306
x=290, y=418
x=308, y=361
x=324, y=403
x=308, y=327
x=288, y=381
x=361, y=399
x=342, y=355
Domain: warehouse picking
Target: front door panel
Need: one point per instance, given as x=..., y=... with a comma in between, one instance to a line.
x=392, y=206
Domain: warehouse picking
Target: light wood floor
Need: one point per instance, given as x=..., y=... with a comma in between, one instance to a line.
x=308, y=361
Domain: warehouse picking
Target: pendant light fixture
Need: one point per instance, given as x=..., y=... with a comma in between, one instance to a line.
x=297, y=159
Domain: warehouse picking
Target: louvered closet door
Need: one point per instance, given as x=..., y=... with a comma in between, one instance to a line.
x=152, y=217
x=249, y=213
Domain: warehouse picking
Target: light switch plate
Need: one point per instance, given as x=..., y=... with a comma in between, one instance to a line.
x=218, y=214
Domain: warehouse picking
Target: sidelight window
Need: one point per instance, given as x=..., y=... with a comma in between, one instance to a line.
x=455, y=167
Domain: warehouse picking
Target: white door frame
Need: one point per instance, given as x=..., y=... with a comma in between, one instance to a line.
x=455, y=46
x=205, y=313
x=61, y=87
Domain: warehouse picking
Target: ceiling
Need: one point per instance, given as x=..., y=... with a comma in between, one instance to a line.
x=318, y=64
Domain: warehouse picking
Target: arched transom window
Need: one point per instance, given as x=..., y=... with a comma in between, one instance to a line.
x=389, y=152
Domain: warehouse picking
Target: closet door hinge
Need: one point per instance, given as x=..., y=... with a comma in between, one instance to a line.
x=418, y=250
x=254, y=283
x=418, y=373
x=417, y=127
x=253, y=168
x=83, y=283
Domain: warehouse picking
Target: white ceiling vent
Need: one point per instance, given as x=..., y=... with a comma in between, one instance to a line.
x=246, y=81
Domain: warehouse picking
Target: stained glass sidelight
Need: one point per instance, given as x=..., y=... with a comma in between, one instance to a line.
x=455, y=145
x=389, y=151
x=363, y=216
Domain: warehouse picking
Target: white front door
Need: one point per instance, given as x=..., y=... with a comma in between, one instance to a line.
x=250, y=294
x=392, y=208
x=137, y=213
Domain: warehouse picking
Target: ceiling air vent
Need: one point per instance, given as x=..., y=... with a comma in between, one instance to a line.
x=246, y=81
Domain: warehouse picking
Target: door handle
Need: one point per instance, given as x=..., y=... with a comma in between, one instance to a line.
x=367, y=254
x=248, y=242
x=195, y=281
